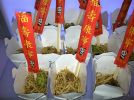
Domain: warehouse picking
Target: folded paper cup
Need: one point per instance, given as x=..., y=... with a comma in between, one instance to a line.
x=116, y=39
x=69, y=62
x=49, y=36
x=71, y=32
x=104, y=64
x=19, y=83
x=21, y=73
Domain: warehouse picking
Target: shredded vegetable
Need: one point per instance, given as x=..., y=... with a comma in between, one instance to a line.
x=38, y=85
x=67, y=82
x=105, y=79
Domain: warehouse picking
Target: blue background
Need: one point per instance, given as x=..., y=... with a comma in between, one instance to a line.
x=9, y=7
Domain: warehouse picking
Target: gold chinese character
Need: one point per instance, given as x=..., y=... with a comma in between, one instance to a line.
x=30, y=54
x=59, y=1
x=131, y=32
x=23, y=18
x=128, y=42
x=125, y=7
x=45, y=1
x=42, y=11
x=87, y=29
x=28, y=44
x=95, y=2
x=25, y=31
x=84, y=40
x=91, y=15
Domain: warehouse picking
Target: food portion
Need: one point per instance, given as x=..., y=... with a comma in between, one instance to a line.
x=99, y=49
x=38, y=84
x=106, y=79
x=45, y=50
x=51, y=49
x=67, y=25
x=66, y=82
x=71, y=50
x=48, y=50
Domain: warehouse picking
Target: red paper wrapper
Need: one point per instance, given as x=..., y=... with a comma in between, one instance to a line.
x=41, y=16
x=88, y=29
x=98, y=29
x=37, y=4
x=122, y=14
x=83, y=4
x=59, y=16
x=25, y=28
x=127, y=45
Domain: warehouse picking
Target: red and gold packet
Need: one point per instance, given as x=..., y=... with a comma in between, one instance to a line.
x=88, y=28
x=122, y=14
x=42, y=13
x=83, y=4
x=59, y=14
x=127, y=45
x=98, y=29
x=24, y=21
